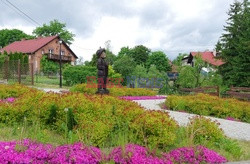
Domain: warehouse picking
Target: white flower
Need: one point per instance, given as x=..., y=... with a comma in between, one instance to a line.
x=66, y=109
x=6, y=147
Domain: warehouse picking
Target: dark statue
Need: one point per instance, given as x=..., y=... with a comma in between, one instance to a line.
x=102, y=73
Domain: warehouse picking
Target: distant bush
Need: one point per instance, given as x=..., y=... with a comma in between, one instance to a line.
x=78, y=74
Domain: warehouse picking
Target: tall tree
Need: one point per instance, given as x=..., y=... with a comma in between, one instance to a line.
x=140, y=54
x=235, y=45
x=8, y=36
x=55, y=28
x=160, y=60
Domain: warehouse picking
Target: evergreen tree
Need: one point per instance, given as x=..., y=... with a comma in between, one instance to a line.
x=235, y=46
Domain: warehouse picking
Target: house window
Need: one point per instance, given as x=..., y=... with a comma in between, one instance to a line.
x=42, y=52
x=62, y=52
x=50, y=51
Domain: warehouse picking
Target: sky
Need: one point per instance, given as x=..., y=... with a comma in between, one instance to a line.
x=171, y=26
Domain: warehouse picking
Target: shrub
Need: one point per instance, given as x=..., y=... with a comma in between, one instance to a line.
x=78, y=74
x=155, y=129
x=114, y=91
x=201, y=129
x=204, y=104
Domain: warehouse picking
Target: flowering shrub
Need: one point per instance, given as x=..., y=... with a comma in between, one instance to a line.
x=204, y=104
x=32, y=152
x=199, y=154
x=138, y=154
x=203, y=129
x=155, y=128
x=14, y=90
x=28, y=151
x=114, y=91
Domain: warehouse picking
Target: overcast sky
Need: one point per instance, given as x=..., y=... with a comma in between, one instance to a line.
x=171, y=26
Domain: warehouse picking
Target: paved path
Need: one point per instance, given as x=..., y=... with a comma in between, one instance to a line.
x=233, y=129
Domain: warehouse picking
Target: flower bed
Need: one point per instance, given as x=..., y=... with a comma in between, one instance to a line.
x=115, y=91
x=203, y=104
x=142, y=97
x=28, y=151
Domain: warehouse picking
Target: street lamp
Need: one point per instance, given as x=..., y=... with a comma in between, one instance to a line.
x=60, y=54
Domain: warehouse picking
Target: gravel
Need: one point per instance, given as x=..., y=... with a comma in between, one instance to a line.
x=233, y=129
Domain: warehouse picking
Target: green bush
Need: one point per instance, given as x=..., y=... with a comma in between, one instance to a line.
x=78, y=74
x=155, y=129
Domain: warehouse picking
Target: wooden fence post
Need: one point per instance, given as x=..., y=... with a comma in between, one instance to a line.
x=32, y=74
x=6, y=69
x=218, y=90
x=19, y=71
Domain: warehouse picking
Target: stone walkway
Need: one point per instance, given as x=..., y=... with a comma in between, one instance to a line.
x=233, y=129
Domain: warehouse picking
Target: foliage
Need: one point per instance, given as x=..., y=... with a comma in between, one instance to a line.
x=55, y=28
x=186, y=78
x=8, y=36
x=125, y=65
x=110, y=58
x=155, y=129
x=234, y=46
x=14, y=90
x=191, y=77
x=211, y=106
x=140, y=54
x=78, y=74
x=159, y=59
x=103, y=121
x=178, y=60
x=48, y=66
x=114, y=91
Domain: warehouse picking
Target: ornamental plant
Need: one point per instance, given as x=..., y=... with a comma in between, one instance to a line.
x=208, y=105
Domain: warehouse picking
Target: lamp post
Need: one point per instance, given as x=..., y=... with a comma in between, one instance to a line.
x=60, y=62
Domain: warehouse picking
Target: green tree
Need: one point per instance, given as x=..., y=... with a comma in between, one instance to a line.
x=140, y=54
x=48, y=66
x=55, y=28
x=8, y=36
x=178, y=60
x=160, y=60
x=124, y=66
x=235, y=45
x=123, y=52
x=191, y=77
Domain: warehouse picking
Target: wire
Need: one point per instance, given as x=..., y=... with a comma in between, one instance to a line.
x=32, y=20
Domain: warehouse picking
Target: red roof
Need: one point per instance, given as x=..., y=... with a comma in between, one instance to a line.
x=208, y=57
x=28, y=46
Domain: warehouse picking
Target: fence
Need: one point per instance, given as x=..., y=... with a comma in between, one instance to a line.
x=239, y=92
x=212, y=90
x=14, y=71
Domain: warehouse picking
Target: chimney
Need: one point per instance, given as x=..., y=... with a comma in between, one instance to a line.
x=214, y=53
x=23, y=39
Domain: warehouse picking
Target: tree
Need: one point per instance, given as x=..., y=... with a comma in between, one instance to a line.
x=124, y=66
x=160, y=60
x=55, y=28
x=48, y=66
x=191, y=77
x=178, y=60
x=140, y=54
x=9, y=36
x=235, y=46
x=123, y=52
